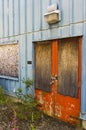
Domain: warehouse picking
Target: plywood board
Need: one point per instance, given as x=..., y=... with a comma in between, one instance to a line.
x=68, y=67
x=43, y=66
x=9, y=60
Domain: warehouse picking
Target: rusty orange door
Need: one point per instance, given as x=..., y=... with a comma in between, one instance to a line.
x=58, y=78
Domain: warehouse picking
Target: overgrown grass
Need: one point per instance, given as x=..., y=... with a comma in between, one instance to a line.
x=3, y=98
x=24, y=110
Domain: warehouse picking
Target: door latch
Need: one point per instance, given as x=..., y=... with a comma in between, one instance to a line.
x=54, y=77
x=52, y=82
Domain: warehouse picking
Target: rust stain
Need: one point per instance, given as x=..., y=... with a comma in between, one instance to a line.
x=69, y=106
x=64, y=108
x=46, y=101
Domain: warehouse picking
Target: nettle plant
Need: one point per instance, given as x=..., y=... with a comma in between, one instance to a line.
x=27, y=104
x=25, y=97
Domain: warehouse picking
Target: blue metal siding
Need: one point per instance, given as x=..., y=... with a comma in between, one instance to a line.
x=16, y=17
x=37, y=15
x=45, y=3
x=23, y=20
x=2, y=4
x=6, y=11
x=10, y=18
x=1, y=24
x=29, y=15
x=78, y=10
x=65, y=12
x=21, y=16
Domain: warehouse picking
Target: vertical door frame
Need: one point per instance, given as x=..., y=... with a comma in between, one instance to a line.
x=79, y=64
x=55, y=69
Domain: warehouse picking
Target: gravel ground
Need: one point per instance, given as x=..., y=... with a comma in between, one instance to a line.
x=54, y=124
x=43, y=123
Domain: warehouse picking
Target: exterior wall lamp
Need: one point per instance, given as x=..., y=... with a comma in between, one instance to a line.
x=53, y=14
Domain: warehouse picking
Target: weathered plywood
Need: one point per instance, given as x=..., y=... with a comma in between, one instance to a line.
x=68, y=67
x=9, y=60
x=43, y=66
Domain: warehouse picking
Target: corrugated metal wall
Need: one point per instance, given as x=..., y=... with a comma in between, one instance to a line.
x=26, y=16
x=22, y=21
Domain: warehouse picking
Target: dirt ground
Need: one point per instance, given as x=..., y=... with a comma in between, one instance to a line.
x=43, y=122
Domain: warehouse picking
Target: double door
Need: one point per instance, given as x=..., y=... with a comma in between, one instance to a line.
x=58, y=77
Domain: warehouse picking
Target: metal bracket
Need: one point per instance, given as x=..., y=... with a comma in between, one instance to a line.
x=54, y=77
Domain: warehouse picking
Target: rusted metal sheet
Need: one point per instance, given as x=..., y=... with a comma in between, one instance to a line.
x=9, y=60
x=43, y=66
x=68, y=67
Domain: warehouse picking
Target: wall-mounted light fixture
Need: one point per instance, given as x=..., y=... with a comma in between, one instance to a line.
x=53, y=14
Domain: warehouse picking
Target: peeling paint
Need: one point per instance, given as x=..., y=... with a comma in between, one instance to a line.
x=66, y=108
x=58, y=111
x=51, y=109
x=41, y=101
x=72, y=105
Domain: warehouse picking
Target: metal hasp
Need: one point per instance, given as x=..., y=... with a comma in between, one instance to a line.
x=53, y=79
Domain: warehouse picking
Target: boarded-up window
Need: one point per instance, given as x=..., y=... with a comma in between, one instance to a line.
x=9, y=60
x=43, y=66
x=68, y=67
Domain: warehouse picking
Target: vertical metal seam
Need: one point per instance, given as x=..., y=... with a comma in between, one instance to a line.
x=72, y=17
x=19, y=14
x=32, y=19
x=33, y=63
x=72, y=11
x=19, y=65
x=26, y=56
x=61, y=19
x=40, y=14
x=26, y=38
x=13, y=17
x=25, y=15
x=3, y=16
x=19, y=43
x=50, y=2
x=8, y=17
x=41, y=17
